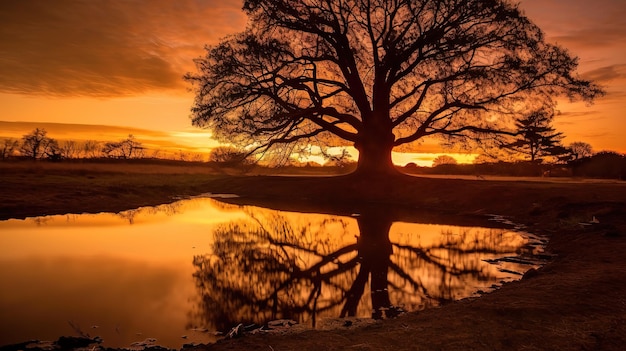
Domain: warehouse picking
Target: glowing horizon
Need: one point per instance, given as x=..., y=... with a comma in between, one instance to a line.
x=190, y=140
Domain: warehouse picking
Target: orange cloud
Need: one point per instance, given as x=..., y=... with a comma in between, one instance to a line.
x=107, y=48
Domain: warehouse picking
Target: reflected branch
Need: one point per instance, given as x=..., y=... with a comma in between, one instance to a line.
x=272, y=266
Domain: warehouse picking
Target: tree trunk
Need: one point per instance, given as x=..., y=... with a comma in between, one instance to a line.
x=375, y=250
x=375, y=156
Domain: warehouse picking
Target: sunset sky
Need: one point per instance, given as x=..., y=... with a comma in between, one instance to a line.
x=120, y=63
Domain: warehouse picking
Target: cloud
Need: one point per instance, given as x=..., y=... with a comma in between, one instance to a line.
x=71, y=131
x=607, y=73
x=606, y=31
x=107, y=48
x=594, y=31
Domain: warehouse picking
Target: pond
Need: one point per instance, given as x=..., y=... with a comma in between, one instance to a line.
x=180, y=273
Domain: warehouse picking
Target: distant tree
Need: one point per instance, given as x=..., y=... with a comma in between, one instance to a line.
x=132, y=148
x=53, y=151
x=8, y=148
x=536, y=136
x=229, y=155
x=37, y=144
x=112, y=149
x=181, y=156
x=580, y=150
x=378, y=74
x=484, y=158
x=157, y=154
x=604, y=164
x=196, y=157
x=444, y=160
x=92, y=149
x=125, y=149
x=69, y=149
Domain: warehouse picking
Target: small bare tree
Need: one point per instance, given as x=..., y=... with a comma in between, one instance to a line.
x=8, y=148
x=69, y=149
x=36, y=144
x=125, y=149
x=91, y=149
x=228, y=155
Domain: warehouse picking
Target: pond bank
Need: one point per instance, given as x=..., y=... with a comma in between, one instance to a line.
x=578, y=301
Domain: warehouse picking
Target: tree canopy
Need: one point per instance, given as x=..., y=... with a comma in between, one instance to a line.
x=378, y=74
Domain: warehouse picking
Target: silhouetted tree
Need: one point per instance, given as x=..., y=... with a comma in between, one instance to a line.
x=580, y=150
x=92, y=149
x=604, y=164
x=38, y=145
x=444, y=160
x=537, y=137
x=377, y=74
x=125, y=149
x=69, y=149
x=53, y=151
x=228, y=155
x=8, y=148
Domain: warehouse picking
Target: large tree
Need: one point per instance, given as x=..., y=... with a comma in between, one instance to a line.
x=378, y=74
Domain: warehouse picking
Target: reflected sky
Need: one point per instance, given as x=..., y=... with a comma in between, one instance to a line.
x=159, y=272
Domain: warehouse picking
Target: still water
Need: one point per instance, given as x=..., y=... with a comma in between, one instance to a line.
x=181, y=272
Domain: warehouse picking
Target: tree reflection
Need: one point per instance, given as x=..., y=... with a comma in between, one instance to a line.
x=268, y=267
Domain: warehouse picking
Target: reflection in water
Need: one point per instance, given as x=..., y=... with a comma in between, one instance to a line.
x=124, y=277
x=266, y=267
x=198, y=266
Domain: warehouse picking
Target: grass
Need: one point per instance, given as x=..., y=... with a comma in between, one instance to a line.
x=34, y=188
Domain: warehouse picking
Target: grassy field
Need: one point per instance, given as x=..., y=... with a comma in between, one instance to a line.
x=577, y=302
x=38, y=188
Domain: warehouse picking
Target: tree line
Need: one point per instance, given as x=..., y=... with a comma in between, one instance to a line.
x=537, y=151
x=603, y=164
x=38, y=145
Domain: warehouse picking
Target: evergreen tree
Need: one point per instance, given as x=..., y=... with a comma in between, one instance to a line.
x=536, y=137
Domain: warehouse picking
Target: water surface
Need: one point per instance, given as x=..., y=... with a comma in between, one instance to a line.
x=179, y=273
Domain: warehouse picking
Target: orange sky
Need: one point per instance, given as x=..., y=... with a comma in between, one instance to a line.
x=121, y=62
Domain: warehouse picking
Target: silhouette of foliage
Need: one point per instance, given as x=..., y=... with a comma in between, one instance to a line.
x=125, y=149
x=444, y=160
x=605, y=164
x=580, y=150
x=37, y=145
x=228, y=155
x=8, y=148
x=378, y=74
x=537, y=137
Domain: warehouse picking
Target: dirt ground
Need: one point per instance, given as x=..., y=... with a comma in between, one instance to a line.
x=576, y=302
